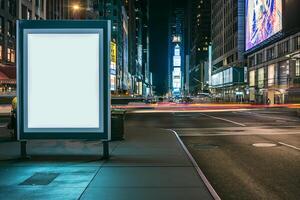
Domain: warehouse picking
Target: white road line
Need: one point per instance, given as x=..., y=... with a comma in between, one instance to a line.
x=201, y=174
x=223, y=119
x=277, y=118
x=232, y=134
x=288, y=145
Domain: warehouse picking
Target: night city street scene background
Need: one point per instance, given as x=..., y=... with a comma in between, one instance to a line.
x=149, y=99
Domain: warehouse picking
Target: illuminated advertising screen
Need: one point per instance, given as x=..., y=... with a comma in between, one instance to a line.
x=113, y=65
x=176, y=61
x=263, y=20
x=176, y=78
x=63, y=84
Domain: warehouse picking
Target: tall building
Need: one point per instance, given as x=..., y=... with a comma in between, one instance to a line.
x=130, y=40
x=228, y=81
x=200, y=40
x=113, y=10
x=145, y=44
x=176, y=50
x=138, y=45
x=10, y=11
x=56, y=9
x=273, y=51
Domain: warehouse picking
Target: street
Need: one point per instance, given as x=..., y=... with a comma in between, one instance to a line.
x=252, y=154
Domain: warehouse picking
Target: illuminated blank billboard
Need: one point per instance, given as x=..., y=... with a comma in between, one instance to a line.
x=63, y=80
x=263, y=20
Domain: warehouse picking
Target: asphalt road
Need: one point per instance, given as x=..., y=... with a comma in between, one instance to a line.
x=222, y=144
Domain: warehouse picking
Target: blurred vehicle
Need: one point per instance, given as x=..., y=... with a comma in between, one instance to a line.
x=187, y=100
x=202, y=98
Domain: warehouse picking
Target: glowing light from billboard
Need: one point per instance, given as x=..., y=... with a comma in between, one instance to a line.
x=176, y=61
x=263, y=20
x=177, y=78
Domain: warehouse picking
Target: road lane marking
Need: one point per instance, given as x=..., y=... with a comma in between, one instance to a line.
x=201, y=174
x=264, y=145
x=223, y=119
x=232, y=134
x=277, y=118
x=288, y=145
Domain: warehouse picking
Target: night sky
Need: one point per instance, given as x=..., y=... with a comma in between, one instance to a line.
x=159, y=11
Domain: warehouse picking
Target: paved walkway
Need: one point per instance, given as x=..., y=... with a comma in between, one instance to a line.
x=149, y=164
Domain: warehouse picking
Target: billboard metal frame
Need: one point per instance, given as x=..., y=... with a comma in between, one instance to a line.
x=102, y=27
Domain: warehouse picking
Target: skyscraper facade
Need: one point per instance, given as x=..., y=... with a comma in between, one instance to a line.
x=176, y=50
x=200, y=40
x=10, y=11
x=228, y=80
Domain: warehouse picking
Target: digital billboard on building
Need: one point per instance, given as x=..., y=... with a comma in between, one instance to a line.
x=113, y=66
x=263, y=20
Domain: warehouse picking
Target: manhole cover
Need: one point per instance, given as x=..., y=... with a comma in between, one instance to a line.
x=204, y=146
x=264, y=145
x=40, y=179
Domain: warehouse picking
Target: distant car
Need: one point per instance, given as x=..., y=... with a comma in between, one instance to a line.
x=187, y=100
x=202, y=98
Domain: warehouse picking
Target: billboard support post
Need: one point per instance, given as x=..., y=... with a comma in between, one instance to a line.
x=105, y=150
x=23, y=149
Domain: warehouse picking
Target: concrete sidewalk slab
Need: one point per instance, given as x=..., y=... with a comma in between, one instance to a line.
x=149, y=164
x=160, y=169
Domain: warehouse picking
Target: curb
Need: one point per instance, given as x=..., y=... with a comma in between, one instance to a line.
x=199, y=171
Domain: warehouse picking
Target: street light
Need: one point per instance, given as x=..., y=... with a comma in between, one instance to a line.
x=76, y=8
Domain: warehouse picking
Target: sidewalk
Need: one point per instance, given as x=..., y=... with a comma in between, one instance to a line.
x=149, y=164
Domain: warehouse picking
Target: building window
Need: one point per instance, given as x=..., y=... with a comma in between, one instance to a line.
x=283, y=48
x=11, y=55
x=270, y=53
x=283, y=72
x=1, y=24
x=252, y=78
x=0, y=52
x=251, y=61
x=2, y=4
x=9, y=28
x=11, y=4
x=297, y=43
x=297, y=68
x=261, y=77
x=271, y=75
x=28, y=14
x=24, y=12
x=259, y=58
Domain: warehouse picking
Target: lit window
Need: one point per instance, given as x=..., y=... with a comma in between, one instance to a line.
x=11, y=55
x=0, y=52
x=297, y=67
x=252, y=78
x=261, y=76
x=271, y=75
x=8, y=54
